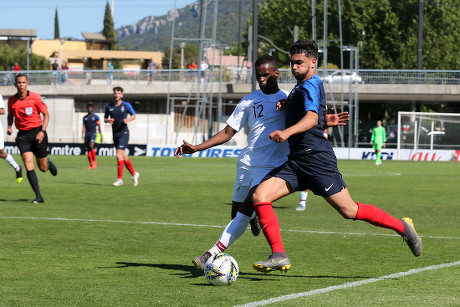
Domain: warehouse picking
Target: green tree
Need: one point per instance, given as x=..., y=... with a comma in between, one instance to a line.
x=190, y=55
x=9, y=56
x=109, y=30
x=56, y=25
x=389, y=28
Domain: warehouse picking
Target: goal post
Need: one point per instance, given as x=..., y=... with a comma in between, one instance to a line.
x=428, y=131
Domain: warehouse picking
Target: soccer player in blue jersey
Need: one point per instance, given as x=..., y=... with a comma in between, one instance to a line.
x=91, y=122
x=311, y=165
x=116, y=114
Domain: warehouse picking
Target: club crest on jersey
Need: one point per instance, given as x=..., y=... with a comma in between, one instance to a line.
x=29, y=111
x=122, y=108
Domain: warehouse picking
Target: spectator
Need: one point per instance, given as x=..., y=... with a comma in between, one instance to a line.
x=192, y=67
x=64, y=69
x=203, y=68
x=152, y=66
x=110, y=69
x=54, y=72
x=16, y=67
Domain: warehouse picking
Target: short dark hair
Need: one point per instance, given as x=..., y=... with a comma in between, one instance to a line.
x=89, y=105
x=309, y=48
x=118, y=89
x=267, y=59
x=20, y=75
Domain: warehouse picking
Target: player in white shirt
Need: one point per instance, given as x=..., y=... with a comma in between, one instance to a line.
x=258, y=111
x=9, y=158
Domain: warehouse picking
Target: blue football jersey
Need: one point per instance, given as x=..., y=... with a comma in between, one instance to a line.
x=119, y=113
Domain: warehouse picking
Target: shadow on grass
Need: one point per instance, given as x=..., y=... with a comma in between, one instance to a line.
x=16, y=200
x=191, y=272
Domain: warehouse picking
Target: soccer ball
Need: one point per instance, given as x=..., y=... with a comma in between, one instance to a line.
x=221, y=270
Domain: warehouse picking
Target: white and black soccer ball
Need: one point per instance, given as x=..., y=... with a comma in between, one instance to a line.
x=221, y=270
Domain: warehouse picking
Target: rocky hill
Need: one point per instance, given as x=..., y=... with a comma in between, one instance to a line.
x=154, y=32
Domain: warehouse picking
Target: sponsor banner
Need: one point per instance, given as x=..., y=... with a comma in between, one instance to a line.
x=215, y=152
x=70, y=149
x=392, y=154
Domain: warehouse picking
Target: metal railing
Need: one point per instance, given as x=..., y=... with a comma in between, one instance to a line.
x=46, y=77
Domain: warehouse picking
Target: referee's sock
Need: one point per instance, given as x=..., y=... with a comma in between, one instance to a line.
x=270, y=226
x=33, y=180
x=378, y=217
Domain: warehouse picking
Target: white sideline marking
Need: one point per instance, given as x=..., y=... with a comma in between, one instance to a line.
x=348, y=285
x=209, y=226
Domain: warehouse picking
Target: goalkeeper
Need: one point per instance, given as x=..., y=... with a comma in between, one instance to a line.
x=378, y=140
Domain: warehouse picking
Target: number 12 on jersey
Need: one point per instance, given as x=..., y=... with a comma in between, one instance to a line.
x=258, y=110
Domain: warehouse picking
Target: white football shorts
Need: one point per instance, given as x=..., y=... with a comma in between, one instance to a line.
x=246, y=178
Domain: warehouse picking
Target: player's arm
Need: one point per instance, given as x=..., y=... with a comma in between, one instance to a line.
x=219, y=138
x=131, y=118
x=83, y=132
x=107, y=118
x=132, y=114
x=2, y=111
x=309, y=121
x=41, y=134
x=100, y=130
x=373, y=136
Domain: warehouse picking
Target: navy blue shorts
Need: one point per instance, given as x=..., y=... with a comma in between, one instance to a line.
x=121, y=139
x=317, y=172
x=90, y=138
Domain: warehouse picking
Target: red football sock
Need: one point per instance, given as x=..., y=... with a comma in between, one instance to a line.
x=90, y=158
x=270, y=226
x=93, y=152
x=121, y=165
x=378, y=217
x=129, y=166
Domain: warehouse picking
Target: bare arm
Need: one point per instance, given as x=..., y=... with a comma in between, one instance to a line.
x=83, y=132
x=131, y=118
x=2, y=111
x=309, y=121
x=41, y=134
x=220, y=137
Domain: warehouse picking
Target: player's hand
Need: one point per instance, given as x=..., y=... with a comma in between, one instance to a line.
x=281, y=105
x=110, y=121
x=279, y=136
x=184, y=149
x=383, y=145
x=372, y=143
x=125, y=120
x=40, y=136
x=9, y=131
x=339, y=119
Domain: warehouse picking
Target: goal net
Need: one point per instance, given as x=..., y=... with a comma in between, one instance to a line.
x=428, y=131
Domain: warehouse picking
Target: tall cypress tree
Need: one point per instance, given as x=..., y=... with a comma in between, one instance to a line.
x=56, y=26
x=109, y=30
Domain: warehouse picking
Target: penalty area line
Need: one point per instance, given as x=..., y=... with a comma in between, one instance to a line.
x=208, y=226
x=348, y=285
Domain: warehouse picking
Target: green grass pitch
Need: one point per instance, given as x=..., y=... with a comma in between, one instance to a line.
x=87, y=245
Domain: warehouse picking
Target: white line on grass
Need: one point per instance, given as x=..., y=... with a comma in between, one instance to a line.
x=348, y=285
x=209, y=226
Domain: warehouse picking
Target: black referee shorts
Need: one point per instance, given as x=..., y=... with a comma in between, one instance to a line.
x=26, y=141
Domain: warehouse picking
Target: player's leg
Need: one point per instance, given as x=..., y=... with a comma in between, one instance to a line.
x=135, y=175
x=9, y=158
x=378, y=153
x=267, y=192
x=40, y=151
x=231, y=233
x=349, y=209
x=92, y=151
x=121, y=154
x=28, y=158
x=88, y=149
x=302, y=201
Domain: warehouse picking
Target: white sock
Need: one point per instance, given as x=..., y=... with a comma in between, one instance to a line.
x=11, y=162
x=303, y=198
x=232, y=232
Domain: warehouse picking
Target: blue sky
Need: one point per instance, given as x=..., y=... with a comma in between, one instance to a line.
x=76, y=16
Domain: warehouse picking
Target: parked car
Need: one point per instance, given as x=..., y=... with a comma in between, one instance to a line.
x=346, y=76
